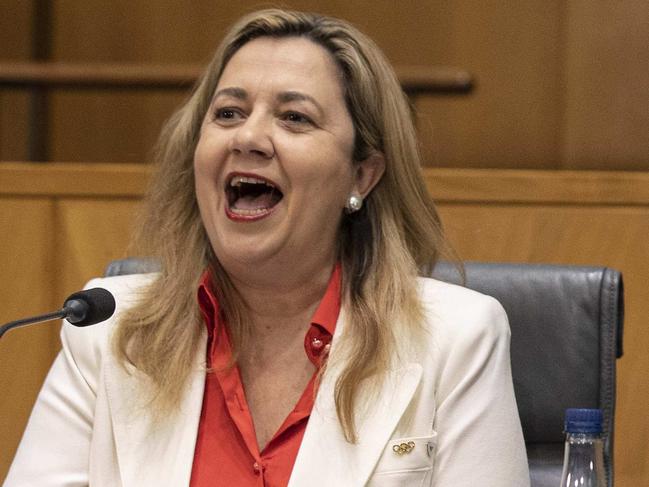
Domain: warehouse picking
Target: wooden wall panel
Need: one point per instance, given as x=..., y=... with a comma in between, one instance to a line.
x=60, y=225
x=101, y=126
x=178, y=32
x=27, y=230
x=607, y=74
x=86, y=126
x=559, y=84
x=15, y=45
x=14, y=124
x=92, y=232
x=15, y=29
x=513, y=119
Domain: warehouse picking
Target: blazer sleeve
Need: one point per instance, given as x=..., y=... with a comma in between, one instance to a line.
x=480, y=439
x=55, y=447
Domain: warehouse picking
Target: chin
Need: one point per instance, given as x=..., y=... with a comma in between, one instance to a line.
x=235, y=253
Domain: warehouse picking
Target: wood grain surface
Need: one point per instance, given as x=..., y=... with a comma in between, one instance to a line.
x=559, y=84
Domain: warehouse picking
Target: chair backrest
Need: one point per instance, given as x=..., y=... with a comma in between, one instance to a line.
x=566, y=325
x=131, y=265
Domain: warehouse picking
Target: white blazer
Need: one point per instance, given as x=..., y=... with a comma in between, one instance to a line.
x=90, y=425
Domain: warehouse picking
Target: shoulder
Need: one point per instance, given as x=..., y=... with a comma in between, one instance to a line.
x=457, y=316
x=450, y=301
x=468, y=369
x=127, y=289
x=87, y=346
x=468, y=340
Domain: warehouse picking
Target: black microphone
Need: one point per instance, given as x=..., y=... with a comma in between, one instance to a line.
x=82, y=308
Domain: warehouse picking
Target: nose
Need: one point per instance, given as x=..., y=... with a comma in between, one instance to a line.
x=253, y=137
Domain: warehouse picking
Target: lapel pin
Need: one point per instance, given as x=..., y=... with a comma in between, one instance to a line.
x=401, y=448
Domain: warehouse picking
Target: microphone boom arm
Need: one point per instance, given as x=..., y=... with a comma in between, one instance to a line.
x=82, y=308
x=33, y=320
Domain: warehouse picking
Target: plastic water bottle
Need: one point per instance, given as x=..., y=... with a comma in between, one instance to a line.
x=583, y=461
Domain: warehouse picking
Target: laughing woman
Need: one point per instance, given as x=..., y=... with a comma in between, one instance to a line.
x=287, y=339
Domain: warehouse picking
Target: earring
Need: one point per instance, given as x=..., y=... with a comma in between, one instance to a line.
x=354, y=202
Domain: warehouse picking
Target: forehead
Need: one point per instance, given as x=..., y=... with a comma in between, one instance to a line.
x=291, y=63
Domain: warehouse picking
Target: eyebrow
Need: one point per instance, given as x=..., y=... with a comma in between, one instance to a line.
x=238, y=93
x=283, y=97
x=289, y=96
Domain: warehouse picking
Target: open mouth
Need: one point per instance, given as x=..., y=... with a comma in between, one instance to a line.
x=250, y=197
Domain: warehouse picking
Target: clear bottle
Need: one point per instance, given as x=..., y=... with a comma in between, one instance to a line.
x=583, y=461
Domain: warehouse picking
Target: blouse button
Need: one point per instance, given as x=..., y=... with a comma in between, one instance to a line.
x=316, y=344
x=256, y=468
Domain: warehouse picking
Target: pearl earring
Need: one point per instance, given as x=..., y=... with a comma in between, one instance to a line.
x=354, y=202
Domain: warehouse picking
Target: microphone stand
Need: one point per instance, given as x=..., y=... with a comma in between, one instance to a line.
x=82, y=308
x=62, y=313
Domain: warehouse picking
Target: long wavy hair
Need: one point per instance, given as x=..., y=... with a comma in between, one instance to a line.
x=382, y=248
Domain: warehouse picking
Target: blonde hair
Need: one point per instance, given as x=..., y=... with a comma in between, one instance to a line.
x=382, y=247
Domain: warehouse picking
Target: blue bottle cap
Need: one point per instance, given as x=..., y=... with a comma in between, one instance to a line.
x=583, y=421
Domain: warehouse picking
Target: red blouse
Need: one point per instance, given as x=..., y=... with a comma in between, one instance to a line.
x=226, y=452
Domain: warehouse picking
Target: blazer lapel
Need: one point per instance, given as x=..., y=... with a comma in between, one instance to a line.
x=153, y=454
x=325, y=458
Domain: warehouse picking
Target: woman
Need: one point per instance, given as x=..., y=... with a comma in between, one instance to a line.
x=287, y=338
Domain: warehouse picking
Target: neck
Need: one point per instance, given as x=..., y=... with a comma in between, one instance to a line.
x=285, y=297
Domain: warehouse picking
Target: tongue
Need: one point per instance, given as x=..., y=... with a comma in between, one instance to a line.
x=248, y=202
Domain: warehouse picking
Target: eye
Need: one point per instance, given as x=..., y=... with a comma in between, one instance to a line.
x=296, y=118
x=227, y=115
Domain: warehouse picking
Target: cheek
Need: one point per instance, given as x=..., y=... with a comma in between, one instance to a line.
x=211, y=149
x=321, y=168
x=326, y=191
x=208, y=162
x=336, y=177
x=205, y=179
x=201, y=177
x=202, y=157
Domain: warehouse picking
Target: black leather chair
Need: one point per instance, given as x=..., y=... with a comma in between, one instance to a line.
x=131, y=265
x=566, y=327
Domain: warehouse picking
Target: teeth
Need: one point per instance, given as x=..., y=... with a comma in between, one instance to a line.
x=252, y=212
x=237, y=180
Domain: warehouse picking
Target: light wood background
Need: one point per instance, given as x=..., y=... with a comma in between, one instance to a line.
x=561, y=84
x=61, y=224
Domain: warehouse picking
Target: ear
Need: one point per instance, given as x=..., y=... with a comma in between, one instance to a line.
x=368, y=173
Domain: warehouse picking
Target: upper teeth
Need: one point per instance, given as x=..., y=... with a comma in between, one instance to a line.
x=237, y=180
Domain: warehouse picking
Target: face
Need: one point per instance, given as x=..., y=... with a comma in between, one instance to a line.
x=273, y=162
